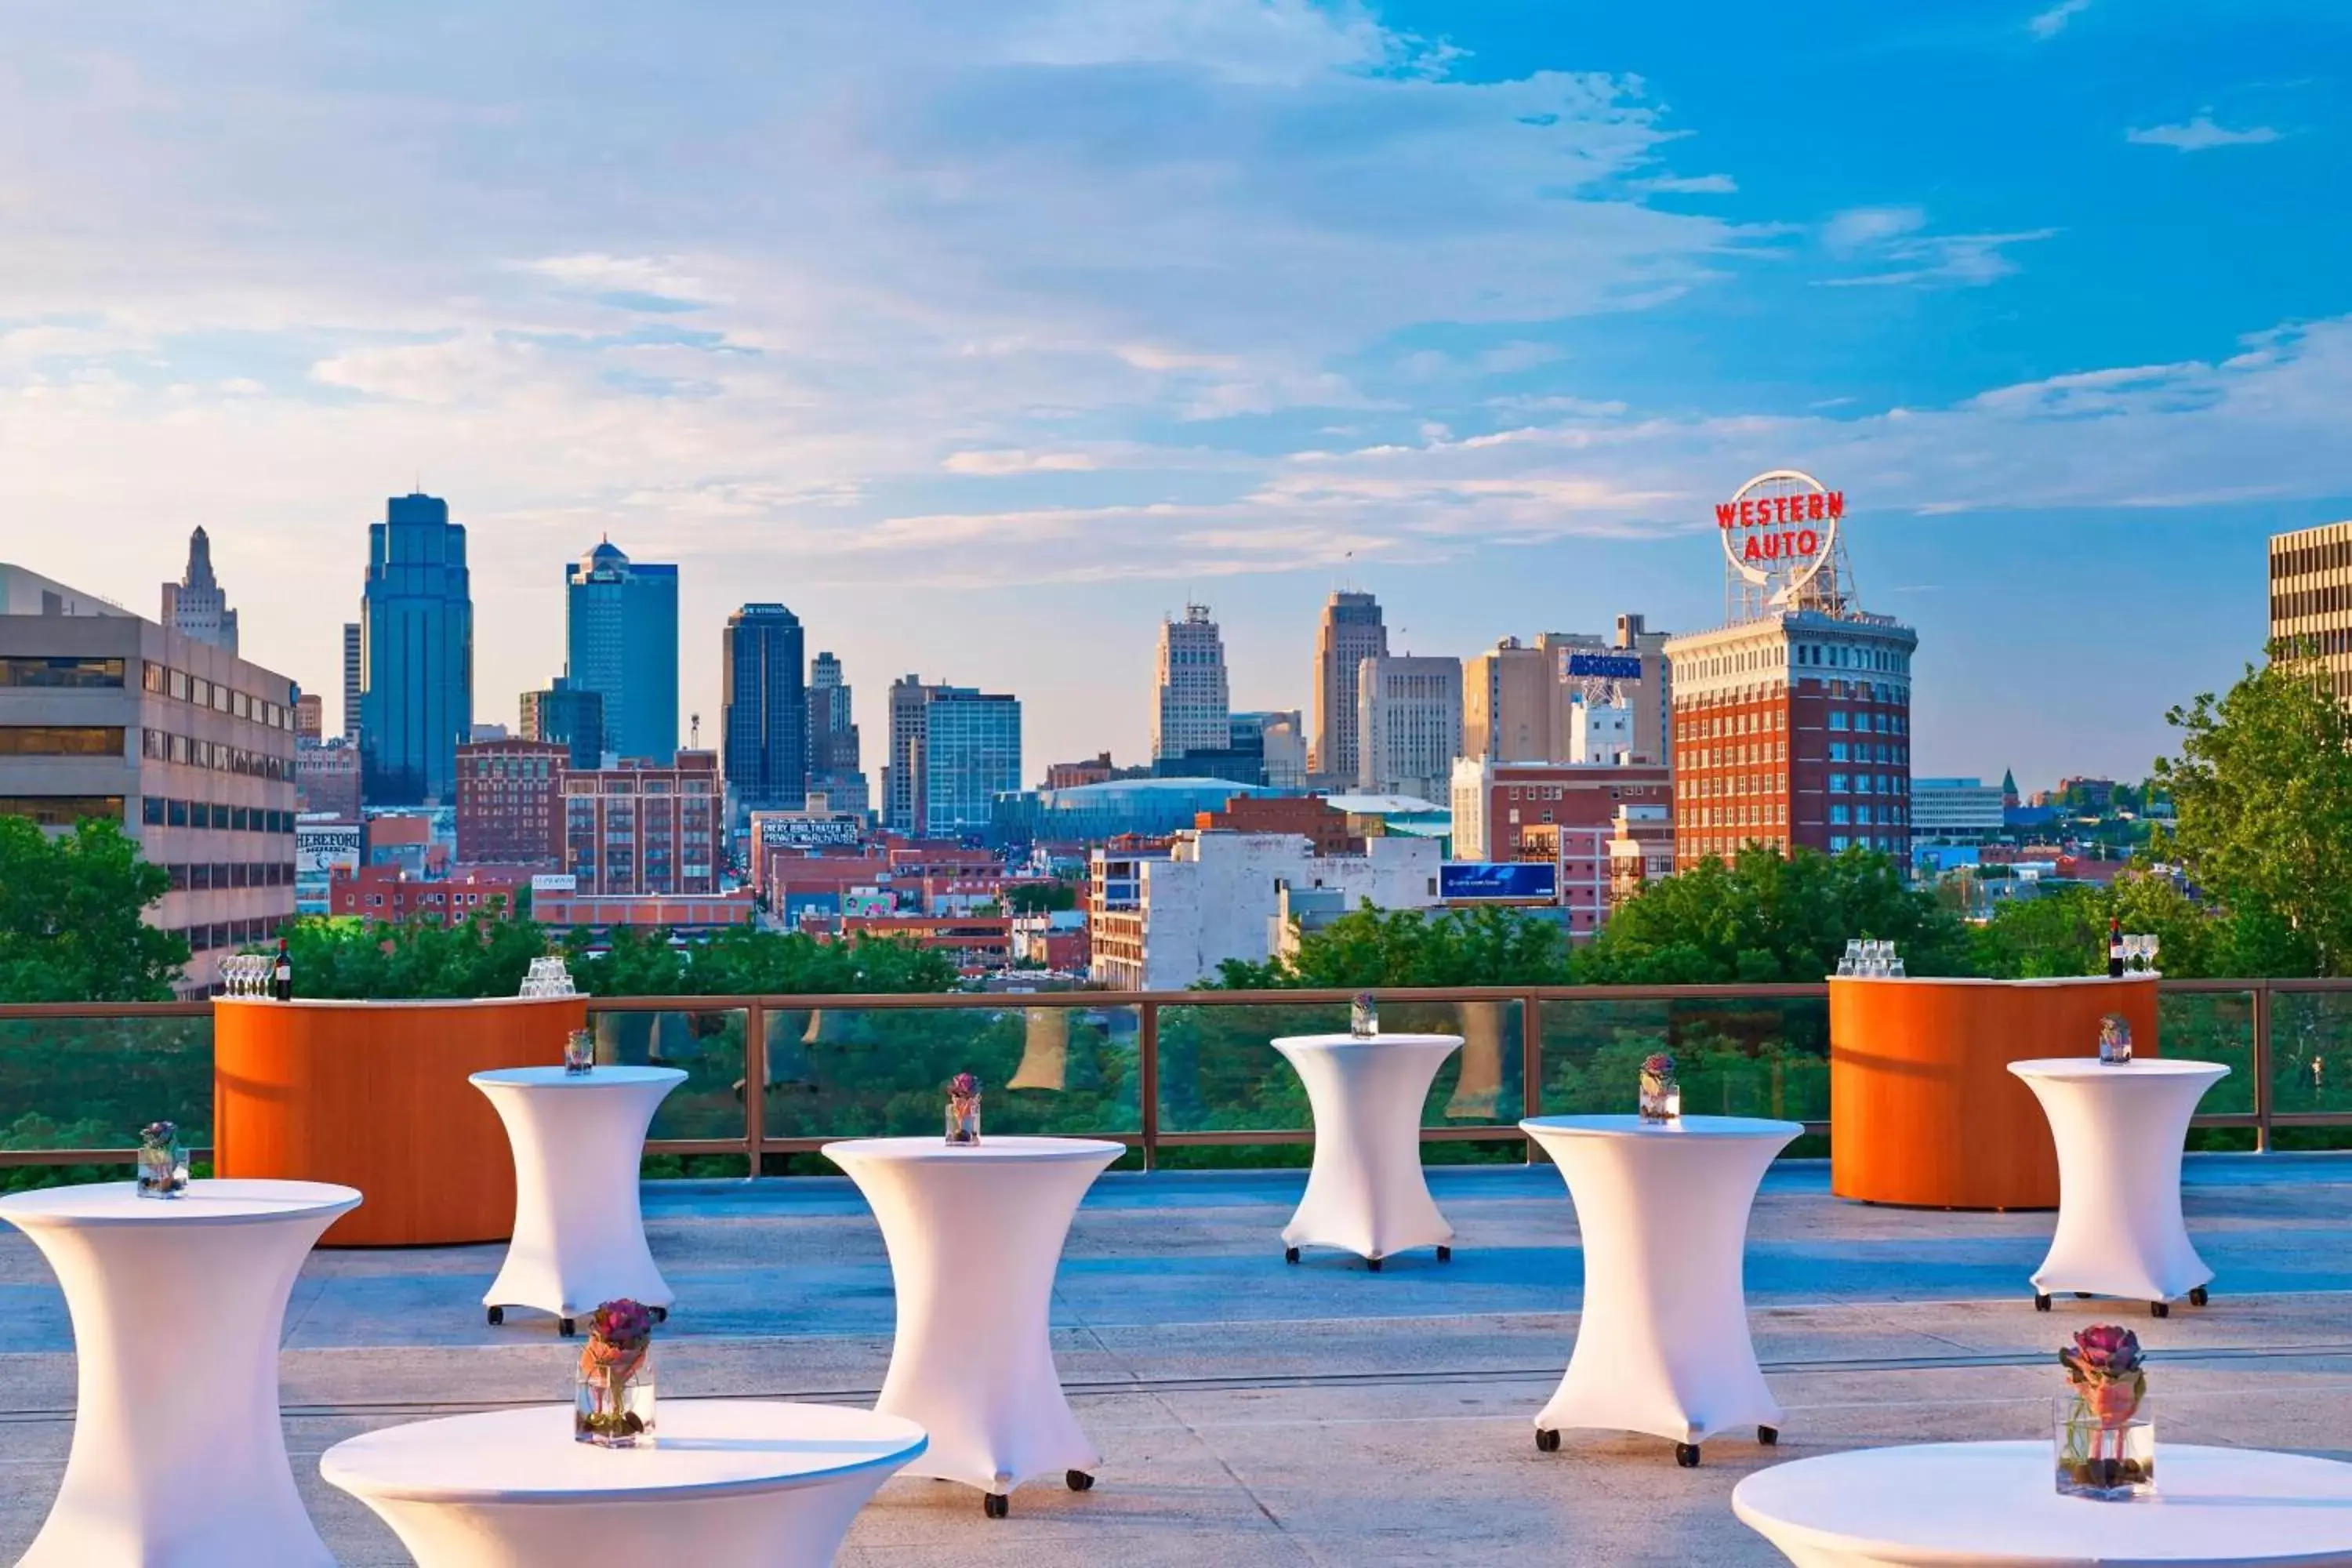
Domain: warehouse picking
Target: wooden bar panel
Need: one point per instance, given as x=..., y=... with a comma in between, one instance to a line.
x=373, y=1095
x=1923, y=1111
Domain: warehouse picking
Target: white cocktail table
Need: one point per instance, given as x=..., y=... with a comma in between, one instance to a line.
x=579, y=1236
x=2119, y=1132
x=975, y=1235
x=1662, y=1345
x=728, y=1483
x=1365, y=1191
x=177, y=1305
x=1946, y=1504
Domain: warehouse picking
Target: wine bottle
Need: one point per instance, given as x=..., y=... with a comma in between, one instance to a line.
x=2115, y=950
x=282, y=981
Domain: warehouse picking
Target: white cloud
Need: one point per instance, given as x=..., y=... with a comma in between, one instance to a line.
x=1690, y=186
x=998, y=463
x=1891, y=241
x=2050, y=23
x=1856, y=227
x=2199, y=134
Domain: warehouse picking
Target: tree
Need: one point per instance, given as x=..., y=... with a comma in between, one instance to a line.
x=1368, y=947
x=70, y=917
x=2262, y=795
x=1041, y=898
x=1764, y=918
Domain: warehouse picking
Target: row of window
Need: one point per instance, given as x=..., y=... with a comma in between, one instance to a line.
x=1870, y=752
x=60, y=739
x=1867, y=783
x=2332, y=556
x=1737, y=756
x=180, y=686
x=23, y=671
x=204, y=875
x=1870, y=723
x=157, y=811
x=60, y=810
x=1838, y=841
x=161, y=746
x=232, y=933
x=1865, y=814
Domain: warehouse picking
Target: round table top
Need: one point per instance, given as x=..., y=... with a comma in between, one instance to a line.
x=232, y=1202
x=990, y=1149
x=1361, y=1042
x=2091, y=1069
x=702, y=1447
x=1996, y=1502
x=615, y=1077
x=1683, y=1127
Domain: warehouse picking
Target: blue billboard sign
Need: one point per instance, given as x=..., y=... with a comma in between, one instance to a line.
x=1530, y=881
x=1606, y=666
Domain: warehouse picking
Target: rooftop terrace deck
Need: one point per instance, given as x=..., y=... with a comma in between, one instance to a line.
x=1252, y=1414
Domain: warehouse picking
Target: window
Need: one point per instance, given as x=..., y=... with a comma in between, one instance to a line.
x=1838, y=814
x=151, y=811
x=1837, y=842
x=60, y=739
x=1838, y=782
x=1837, y=750
x=74, y=674
x=60, y=810
x=1837, y=719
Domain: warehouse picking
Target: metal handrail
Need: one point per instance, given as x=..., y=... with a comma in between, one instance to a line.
x=756, y=1142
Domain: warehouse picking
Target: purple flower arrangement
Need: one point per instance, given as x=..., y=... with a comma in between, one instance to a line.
x=615, y=1404
x=1661, y=1097
x=963, y=1110
x=163, y=1164
x=2106, y=1449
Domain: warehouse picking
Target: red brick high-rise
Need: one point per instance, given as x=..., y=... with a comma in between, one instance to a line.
x=507, y=793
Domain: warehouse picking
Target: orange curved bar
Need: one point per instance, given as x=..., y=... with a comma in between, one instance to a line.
x=373, y=1095
x=1923, y=1111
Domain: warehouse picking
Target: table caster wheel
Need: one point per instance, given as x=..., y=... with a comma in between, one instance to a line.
x=497, y=1315
x=1445, y=1255
x=2041, y=1302
x=996, y=1505
x=1769, y=1435
x=2160, y=1309
x=1081, y=1481
x=1373, y=1264
x=1290, y=1255
x=1686, y=1455
x=661, y=1314
x=2197, y=1297
x=1547, y=1440
x=563, y=1327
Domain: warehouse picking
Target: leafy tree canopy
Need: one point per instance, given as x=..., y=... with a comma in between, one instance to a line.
x=70, y=926
x=1370, y=947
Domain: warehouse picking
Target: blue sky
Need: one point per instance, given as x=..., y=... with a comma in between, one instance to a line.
x=983, y=335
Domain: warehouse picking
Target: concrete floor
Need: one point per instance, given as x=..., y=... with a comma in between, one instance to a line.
x=1254, y=1414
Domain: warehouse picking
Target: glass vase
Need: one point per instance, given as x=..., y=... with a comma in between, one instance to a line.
x=614, y=1405
x=579, y=1051
x=1363, y=1016
x=963, y=1119
x=162, y=1170
x=1662, y=1100
x=2107, y=1462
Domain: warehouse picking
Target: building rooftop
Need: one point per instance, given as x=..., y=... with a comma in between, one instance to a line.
x=1253, y=1415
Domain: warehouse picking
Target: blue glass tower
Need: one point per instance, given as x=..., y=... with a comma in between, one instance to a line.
x=416, y=655
x=763, y=718
x=620, y=620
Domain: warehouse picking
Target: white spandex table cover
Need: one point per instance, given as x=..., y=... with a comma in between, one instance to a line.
x=975, y=1235
x=728, y=1483
x=177, y=1305
x=1365, y=1192
x=1994, y=1503
x=2119, y=1132
x=579, y=1236
x=1662, y=1345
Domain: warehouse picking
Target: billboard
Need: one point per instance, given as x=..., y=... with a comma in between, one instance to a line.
x=319, y=846
x=554, y=882
x=1526, y=881
x=866, y=904
x=1606, y=666
x=808, y=832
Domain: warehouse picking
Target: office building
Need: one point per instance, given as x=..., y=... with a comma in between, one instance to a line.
x=507, y=793
x=2311, y=597
x=639, y=828
x=309, y=717
x=620, y=626
x=190, y=748
x=1518, y=700
x=1352, y=632
x=565, y=713
x=327, y=779
x=196, y=606
x=1114, y=808
x=1281, y=743
x=1408, y=725
x=764, y=712
x=1166, y=919
x=1571, y=815
x=971, y=753
x=1955, y=811
x=1192, y=706
x=417, y=638
x=836, y=761
x=353, y=681
x=902, y=770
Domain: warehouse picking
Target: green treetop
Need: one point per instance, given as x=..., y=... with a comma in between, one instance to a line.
x=70, y=925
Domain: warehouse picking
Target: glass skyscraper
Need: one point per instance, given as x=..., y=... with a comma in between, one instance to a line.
x=971, y=753
x=417, y=635
x=764, y=719
x=620, y=620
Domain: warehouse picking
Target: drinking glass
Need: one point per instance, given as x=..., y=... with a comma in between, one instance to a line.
x=2148, y=945
x=1851, y=964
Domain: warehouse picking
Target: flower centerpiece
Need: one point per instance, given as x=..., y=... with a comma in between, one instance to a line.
x=579, y=1051
x=162, y=1162
x=2105, y=1446
x=1662, y=1096
x=2115, y=1040
x=613, y=1406
x=1363, y=1016
x=963, y=1108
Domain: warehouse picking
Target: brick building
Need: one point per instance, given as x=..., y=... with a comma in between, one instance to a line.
x=395, y=895
x=507, y=793
x=642, y=828
x=1310, y=816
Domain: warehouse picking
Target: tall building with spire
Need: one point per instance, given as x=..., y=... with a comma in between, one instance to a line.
x=195, y=605
x=1194, y=709
x=416, y=652
x=1352, y=632
x=836, y=769
x=620, y=623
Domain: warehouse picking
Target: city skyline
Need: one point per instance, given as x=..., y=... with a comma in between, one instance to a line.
x=1477, y=313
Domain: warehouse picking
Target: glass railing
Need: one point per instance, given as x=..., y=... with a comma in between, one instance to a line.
x=76, y=1090
x=1734, y=1056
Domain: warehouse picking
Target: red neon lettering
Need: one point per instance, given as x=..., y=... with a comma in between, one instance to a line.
x=1725, y=514
x=1813, y=506
x=1747, y=514
x=1755, y=552
x=1808, y=542
x=1836, y=504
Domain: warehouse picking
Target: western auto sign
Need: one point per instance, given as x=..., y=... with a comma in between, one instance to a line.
x=1778, y=530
